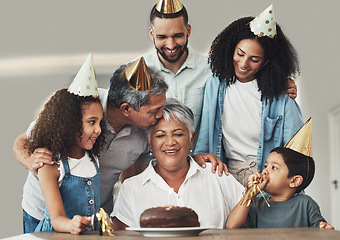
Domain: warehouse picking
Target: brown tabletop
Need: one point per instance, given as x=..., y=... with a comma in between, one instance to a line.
x=212, y=234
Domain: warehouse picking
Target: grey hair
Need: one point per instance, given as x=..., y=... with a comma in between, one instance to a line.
x=120, y=91
x=178, y=111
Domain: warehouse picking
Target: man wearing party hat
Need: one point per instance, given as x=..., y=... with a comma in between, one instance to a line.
x=289, y=170
x=131, y=104
x=185, y=71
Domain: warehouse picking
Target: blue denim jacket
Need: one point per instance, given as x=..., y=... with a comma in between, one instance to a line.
x=280, y=120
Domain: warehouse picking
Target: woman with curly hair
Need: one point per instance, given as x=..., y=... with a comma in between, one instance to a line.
x=69, y=126
x=245, y=113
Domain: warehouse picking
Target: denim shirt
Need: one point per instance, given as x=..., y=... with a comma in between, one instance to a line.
x=280, y=120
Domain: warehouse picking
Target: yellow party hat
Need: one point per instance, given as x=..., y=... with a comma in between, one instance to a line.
x=264, y=24
x=85, y=83
x=137, y=75
x=302, y=140
x=169, y=6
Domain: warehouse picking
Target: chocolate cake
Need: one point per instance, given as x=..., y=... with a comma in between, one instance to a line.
x=169, y=217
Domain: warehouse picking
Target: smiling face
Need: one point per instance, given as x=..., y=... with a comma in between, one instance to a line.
x=170, y=37
x=170, y=143
x=276, y=172
x=248, y=59
x=92, y=115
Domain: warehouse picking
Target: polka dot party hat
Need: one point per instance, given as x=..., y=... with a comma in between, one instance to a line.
x=85, y=84
x=264, y=24
x=169, y=6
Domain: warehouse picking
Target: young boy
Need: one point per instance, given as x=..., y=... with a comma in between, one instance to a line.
x=287, y=172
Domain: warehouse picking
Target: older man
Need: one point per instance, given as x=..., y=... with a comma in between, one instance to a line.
x=132, y=104
x=185, y=71
x=127, y=112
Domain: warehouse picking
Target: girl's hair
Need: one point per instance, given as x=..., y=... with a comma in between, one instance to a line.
x=60, y=124
x=280, y=64
x=297, y=164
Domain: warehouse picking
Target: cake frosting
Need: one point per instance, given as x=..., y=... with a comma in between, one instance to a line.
x=169, y=217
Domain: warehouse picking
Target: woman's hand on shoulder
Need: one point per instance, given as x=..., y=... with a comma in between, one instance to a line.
x=78, y=224
x=201, y=158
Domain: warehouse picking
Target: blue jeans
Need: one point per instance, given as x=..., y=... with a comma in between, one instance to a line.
x=29, y=222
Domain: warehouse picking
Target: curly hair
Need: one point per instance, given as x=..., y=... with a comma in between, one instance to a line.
x=281, y=60
x=59, y=122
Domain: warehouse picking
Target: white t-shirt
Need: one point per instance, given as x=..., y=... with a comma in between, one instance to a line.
x=210, y=196
x=125, y=147
x=241, y=121
x=83, y=167
x=33, y=201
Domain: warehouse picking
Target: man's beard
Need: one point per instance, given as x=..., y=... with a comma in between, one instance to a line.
x=182, y=50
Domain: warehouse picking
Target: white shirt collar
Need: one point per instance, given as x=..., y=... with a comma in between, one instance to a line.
x=188, y=63
x=150, y=174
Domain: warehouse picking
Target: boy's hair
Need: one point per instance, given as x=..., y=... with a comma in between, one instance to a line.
x=297, y=164
x=60, y=124
x=155, y=14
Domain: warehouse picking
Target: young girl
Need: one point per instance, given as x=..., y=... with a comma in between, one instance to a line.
x=287, y=173
x=69, y=126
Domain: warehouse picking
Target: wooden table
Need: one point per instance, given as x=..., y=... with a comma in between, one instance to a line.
x=213, y=234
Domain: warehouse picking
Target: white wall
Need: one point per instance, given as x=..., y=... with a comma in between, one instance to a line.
x=43, y=43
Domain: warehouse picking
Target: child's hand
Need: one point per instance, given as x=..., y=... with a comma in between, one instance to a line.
x=260, y=178
x=78, y=224
x=325, y=225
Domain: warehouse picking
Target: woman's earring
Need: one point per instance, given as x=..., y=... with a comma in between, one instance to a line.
x=150, y=153
x=190, y=151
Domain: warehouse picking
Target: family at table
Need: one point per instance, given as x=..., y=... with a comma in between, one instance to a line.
x=223, y=132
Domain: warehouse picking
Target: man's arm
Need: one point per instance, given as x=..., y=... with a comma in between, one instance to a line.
x=32, y=161
x=291, y=89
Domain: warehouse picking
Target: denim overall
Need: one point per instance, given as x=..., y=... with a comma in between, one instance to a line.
x=80, y=197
